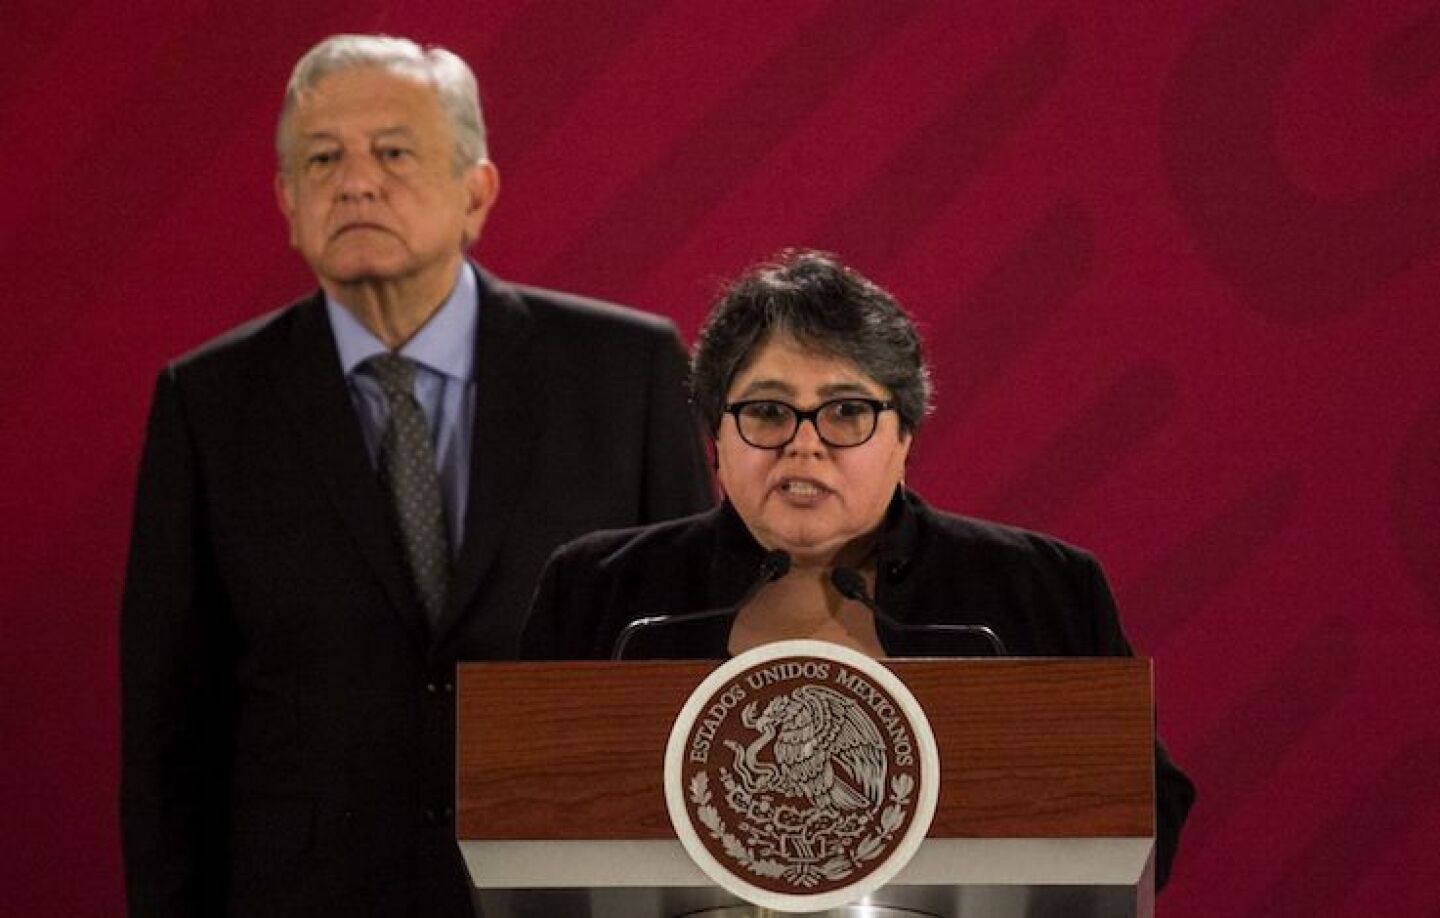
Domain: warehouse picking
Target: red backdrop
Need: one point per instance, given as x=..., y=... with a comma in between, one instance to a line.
x=1177, y=263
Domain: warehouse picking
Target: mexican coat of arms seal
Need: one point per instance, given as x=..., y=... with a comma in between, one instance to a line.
x=801, y=776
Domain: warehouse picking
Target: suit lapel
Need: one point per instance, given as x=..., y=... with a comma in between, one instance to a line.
x=314, y=394
x=508, y=410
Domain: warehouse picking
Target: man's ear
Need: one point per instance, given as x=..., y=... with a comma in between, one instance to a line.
x=285, y=200
x=482, y=187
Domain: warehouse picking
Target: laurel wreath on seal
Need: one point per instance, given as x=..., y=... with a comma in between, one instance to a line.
x=836, y=868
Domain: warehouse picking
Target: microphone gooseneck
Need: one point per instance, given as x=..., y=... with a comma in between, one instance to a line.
x=851, y=585
x=773, y=566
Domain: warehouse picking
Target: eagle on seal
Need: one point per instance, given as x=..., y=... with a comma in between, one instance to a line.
x=824, y=749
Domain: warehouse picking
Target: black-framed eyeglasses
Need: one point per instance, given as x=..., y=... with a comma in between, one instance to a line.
x=840, y=422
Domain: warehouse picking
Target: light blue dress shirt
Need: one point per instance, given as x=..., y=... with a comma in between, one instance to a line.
x=444, y=354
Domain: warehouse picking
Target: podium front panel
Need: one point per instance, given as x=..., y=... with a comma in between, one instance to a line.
x=1046, y=791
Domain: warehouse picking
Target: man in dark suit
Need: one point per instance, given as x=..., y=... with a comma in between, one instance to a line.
x=342, y=499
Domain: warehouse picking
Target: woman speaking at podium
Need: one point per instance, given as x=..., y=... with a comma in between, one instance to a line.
x=813, y=384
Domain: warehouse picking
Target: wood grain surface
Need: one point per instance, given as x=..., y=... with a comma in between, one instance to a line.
x=1028, y=748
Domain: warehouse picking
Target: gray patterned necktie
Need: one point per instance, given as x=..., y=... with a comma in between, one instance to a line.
x=407, y=473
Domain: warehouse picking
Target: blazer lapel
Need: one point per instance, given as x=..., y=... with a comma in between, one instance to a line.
x=314, y=394
x=508, y=410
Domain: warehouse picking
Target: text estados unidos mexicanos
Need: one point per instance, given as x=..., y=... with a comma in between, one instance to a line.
x=812, y=671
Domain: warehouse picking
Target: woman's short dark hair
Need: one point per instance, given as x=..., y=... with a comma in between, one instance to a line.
x=822, y=304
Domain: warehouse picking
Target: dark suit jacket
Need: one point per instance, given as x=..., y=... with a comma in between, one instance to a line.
x=288, y=718
x=1041, y=597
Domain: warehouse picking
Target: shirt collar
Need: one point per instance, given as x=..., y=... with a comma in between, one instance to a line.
x=444, y=344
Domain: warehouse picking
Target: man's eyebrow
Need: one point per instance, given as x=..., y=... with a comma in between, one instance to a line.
x=324, y=136
x=401, y=130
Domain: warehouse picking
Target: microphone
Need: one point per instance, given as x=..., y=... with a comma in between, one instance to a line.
x=773, y=566
x=852, y=586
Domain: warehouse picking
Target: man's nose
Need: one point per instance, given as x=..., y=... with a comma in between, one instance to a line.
x=360, y=177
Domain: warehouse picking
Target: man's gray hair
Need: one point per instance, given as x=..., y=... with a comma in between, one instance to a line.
x=452, y=78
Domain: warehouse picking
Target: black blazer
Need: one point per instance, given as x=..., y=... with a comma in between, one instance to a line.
x=288, y=718
x=1041, y=597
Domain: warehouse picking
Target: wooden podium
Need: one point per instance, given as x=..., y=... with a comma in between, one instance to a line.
x=1046, y=806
